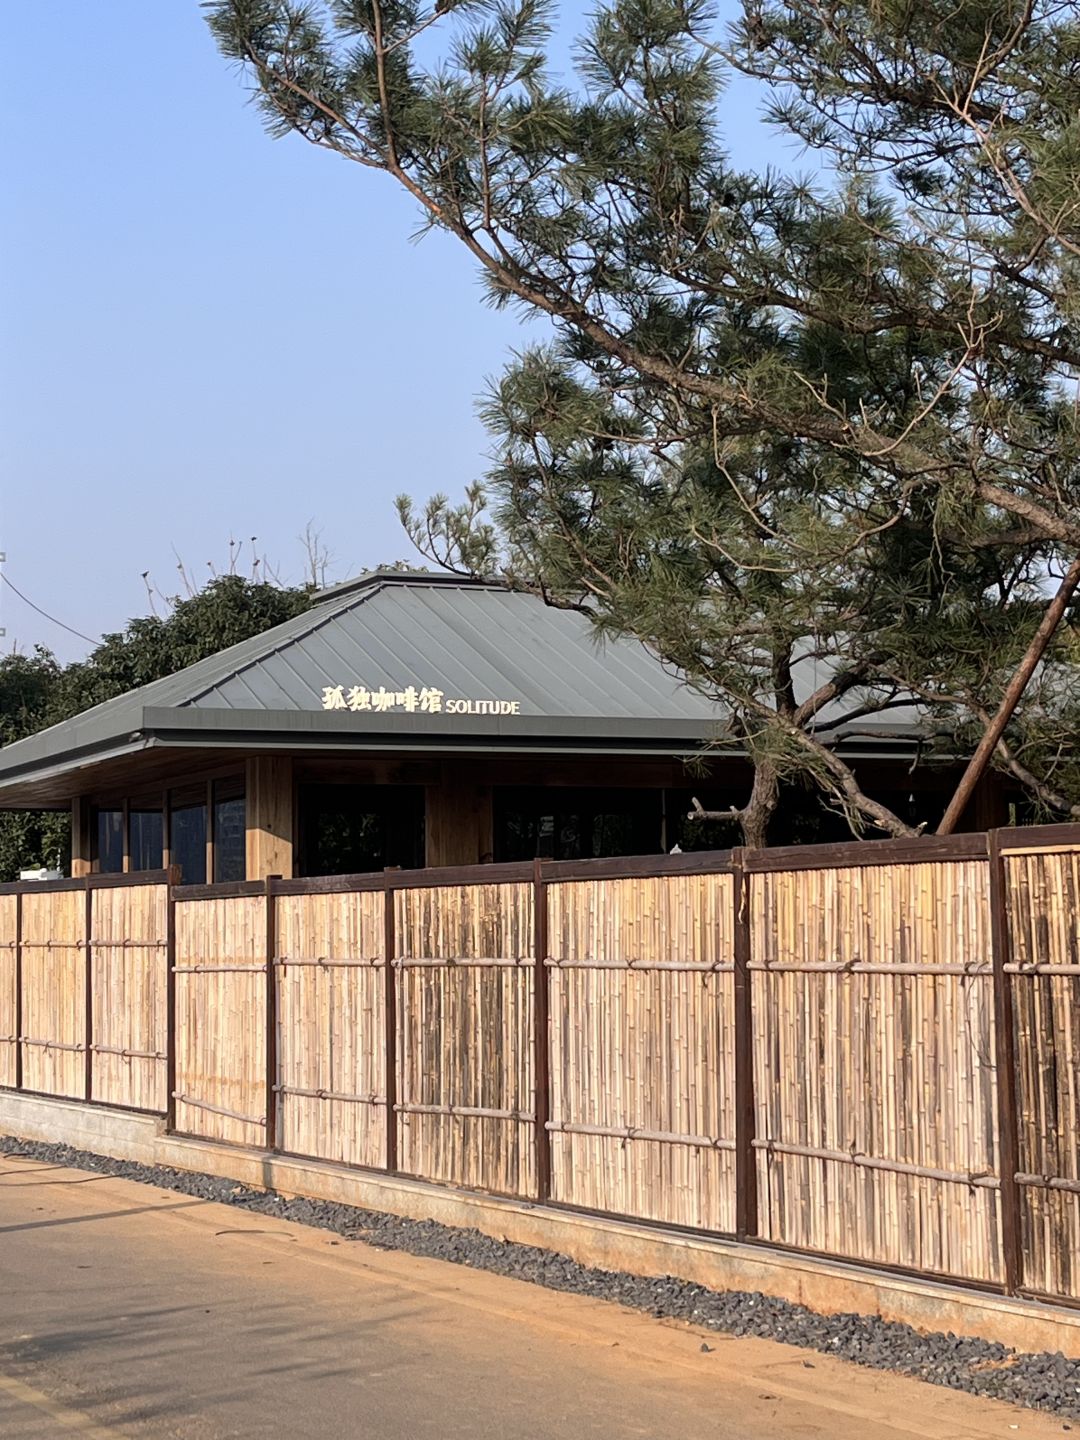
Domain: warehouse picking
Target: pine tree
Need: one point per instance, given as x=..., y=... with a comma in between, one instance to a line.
x=781, y=426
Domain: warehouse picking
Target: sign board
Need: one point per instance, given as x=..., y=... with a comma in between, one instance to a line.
x=413, y=700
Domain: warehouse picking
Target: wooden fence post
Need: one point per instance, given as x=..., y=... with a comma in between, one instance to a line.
x=18, y=992
x=390, y=1059
x=746, y=1206
x=541, y=1034
x=170, y=999
x=271, y=1016
x=88, y=995
x=1005, y=1065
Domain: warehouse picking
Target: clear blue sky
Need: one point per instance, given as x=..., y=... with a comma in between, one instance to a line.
x=207, y=333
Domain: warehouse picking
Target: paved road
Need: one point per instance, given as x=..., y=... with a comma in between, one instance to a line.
x=131, y=1311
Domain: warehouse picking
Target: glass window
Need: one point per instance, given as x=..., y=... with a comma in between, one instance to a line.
x=230, y=837
x=576, y=824
x=110, y=841
x=145, y=839
x=187, y=842
x=354, y=829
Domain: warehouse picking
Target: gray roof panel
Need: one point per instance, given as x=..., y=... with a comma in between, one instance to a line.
x=468, y=639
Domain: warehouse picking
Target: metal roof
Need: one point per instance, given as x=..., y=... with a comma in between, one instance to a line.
x=507, y=671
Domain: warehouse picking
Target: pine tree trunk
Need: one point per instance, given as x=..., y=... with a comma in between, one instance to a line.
x=764, y=797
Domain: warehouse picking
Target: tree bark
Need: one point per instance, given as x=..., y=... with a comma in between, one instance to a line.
x=758, y=811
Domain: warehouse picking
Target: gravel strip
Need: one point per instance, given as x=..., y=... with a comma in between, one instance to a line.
x=980, y=1367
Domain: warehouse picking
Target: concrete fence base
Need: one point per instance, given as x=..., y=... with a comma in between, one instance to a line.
x=828, y=1287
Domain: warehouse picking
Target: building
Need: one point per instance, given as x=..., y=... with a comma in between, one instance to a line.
x=412, y=719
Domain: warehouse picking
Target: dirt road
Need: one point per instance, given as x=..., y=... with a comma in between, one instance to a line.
x=130, y=1311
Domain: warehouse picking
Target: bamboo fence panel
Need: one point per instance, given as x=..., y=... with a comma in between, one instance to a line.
x=221, y=1019
x=129, y=984
x=53, y=1035
x=1043, y=905
x=879, y=1069
x=8, y=1017
x=331, y=1008
x=465, y=1033
x=644, y=1053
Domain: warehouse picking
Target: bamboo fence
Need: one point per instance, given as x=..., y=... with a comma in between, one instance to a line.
x=870, y=1052
x=53, y=1022
x=466, y=1095
x=874, y=1065
x=9, y=1014
x=331, y=1086
x=220, y=1028
x=128, y=985
x=642, y=1059
x=1043, y=892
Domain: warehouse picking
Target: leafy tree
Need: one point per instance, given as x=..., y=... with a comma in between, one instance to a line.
x=35, y=691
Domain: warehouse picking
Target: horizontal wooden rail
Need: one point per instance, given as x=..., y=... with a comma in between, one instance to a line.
x=97, y=944
x=182, y=1099
x=126, y=1054
x=672, y=966
x=218, y=969
x=859, y=967
x=52, y=1045
x=325, y=962
x=1049, y=1182
x=461, y=962
x=637, y=1132
x=975, y=1178
x=1041, y=969
x=478, y=1112
x=329, y=1095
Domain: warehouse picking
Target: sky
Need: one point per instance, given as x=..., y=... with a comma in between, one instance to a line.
x=208, y=335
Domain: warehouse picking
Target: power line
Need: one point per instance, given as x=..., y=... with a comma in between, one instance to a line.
x=52, y=618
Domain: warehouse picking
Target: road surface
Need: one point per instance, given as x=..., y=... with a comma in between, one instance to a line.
x=127, y=1311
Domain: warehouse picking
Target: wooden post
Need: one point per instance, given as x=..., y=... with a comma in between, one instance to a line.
x=170, y=1001
x=541, y=1034
x=1005, y=1064
x=746, y=1207
x=81, y=851
x=208, y=865
x=268, y=812
x=390, y=1025
x=271, y=1016
x=458, y=819
x=18, y=992
x=88, y=993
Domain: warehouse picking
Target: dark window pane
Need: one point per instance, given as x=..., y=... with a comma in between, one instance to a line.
x=110, y=841
x=146, y=839
x=230, y=840
x=574, y=824
x=187, y=843
x=354, y=829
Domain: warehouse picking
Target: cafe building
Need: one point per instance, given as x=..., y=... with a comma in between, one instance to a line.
x=411, y=719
